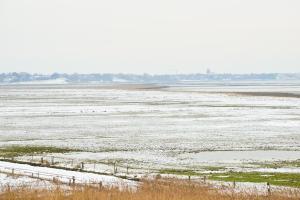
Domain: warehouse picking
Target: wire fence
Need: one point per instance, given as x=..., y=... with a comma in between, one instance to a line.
x=57, y=178
x=111, y=168
x=81, y=166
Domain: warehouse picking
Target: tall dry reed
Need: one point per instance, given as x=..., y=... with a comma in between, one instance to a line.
x=148, y=190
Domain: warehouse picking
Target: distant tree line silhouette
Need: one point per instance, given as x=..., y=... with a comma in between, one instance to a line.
x=15, y=77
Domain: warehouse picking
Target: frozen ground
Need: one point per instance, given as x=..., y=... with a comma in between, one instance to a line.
x=22, y=181
x=183, y=126
x=63, y=176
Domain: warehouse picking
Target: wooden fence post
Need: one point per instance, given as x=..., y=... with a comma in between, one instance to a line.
x=269, y=188
x=73, y=180
x=114, y=167
x=52, y=160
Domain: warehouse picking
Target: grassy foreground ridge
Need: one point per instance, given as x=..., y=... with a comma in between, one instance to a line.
x=153, y=190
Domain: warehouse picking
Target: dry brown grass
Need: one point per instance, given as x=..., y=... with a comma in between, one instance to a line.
x=154, y=190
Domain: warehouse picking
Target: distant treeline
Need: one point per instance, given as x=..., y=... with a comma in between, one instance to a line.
x=143, y=78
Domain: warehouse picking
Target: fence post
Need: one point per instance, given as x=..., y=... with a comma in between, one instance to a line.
x=52, y=160
x=127, y=169
x=114, y=167
x=82, y=165
x=189, y=177
x=204, y=179
x=100, y=185
x=73, y=180
x=42, y=160
x=269, y=188
x=234, y=184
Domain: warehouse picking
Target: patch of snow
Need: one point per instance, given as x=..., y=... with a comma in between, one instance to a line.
x=64, y=175
x=277, y=170
x=37, y=82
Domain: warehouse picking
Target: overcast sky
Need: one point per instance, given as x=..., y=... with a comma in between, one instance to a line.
x=153, y=36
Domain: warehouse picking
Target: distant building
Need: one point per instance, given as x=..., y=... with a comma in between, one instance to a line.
x=208, y=71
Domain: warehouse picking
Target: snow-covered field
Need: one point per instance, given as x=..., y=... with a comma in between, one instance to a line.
x=29, y=173
x=183, y=126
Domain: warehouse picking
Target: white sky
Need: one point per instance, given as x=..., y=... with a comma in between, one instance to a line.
x=153, y=36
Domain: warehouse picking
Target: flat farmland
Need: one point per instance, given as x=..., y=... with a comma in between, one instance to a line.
x=208, y=126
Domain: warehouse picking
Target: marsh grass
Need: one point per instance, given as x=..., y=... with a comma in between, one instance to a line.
x=15, y=150
x=153, y=190
x=279, y=164
x=279, y=179
x=182, y=172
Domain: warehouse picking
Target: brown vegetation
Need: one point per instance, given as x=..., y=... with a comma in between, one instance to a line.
x=154, y=190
